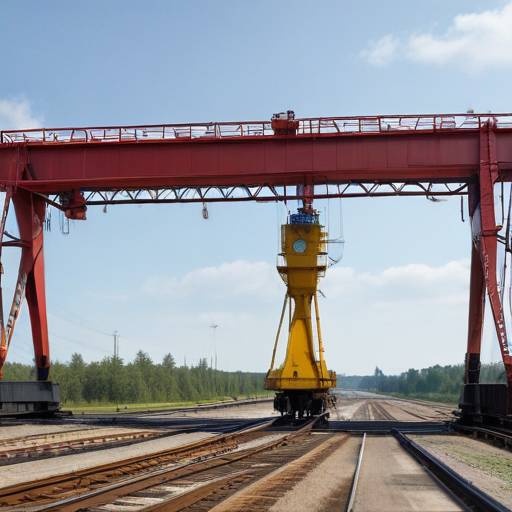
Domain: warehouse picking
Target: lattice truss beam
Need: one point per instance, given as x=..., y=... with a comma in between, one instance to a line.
x=264, y=193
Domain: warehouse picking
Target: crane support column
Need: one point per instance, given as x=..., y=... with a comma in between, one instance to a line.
x=488, y=239
x=30, y=214
x=476, y=318
x=493, y=399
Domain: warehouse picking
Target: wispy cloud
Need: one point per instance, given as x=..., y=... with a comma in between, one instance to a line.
x=473, y=42
x=17, y=114
x=382, y=52
x=226, y=280
x=410, y=284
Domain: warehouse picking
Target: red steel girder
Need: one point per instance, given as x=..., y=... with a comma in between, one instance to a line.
x=274, y=161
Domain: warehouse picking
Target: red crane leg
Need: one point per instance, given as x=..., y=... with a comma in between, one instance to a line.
x=30, y=214
x=476, y=318
x=489, y=239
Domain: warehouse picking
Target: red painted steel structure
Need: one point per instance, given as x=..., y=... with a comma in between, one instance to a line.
x=330, y=157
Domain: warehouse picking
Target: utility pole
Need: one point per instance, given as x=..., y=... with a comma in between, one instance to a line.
x=116, y=358
x=116, y=345
x=214, y=327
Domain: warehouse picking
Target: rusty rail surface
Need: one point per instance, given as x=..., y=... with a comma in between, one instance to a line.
x=129, y=484
x=80, y=479
x=10, y=454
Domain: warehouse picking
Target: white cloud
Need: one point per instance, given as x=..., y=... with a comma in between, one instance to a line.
x=414, y=283
x=382, y=52
x=227, y=280
x=473, y=42
x=17, y=114
x=412, y=316
x=401, y=317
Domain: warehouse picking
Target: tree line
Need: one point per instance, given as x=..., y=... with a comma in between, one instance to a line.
x=443, y=380
x=141, y=381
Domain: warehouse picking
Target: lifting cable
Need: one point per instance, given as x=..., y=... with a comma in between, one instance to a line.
x=339, y=240
x=503, y=276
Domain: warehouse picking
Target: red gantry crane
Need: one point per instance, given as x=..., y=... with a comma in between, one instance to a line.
x=426, y=155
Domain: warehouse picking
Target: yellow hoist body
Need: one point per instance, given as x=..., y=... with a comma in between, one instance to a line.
x=303, y=379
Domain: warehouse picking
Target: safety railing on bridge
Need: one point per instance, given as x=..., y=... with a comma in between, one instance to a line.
x=257, y=129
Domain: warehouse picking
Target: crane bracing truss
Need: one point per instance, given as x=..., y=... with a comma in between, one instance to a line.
x=427, y=155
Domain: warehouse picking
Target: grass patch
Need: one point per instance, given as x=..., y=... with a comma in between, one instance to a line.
x=496, y=465
x=109, y=408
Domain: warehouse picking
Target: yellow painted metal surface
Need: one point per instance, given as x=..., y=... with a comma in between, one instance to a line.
x=302, y=264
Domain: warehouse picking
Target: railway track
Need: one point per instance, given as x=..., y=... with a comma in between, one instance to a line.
x=255, y=466
x=372, y=410
x=286, y=485
x=69, y=442
x=37, y=447
x=207, y=465
x=501, y=435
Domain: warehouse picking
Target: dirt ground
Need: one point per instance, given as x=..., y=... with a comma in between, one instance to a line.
x=404, y=410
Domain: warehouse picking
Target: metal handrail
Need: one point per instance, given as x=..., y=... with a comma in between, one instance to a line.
x=256, y=129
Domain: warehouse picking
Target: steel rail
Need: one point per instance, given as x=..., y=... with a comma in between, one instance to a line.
x=353, y=489
x=386, y=426
x=380, y=409
x=465, y=491
x=497, y=434
x=20, y=490
x=132, y=484
x=51, y=449
x=189, y=498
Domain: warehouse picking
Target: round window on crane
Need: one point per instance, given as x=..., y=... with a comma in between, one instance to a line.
x=299, y=245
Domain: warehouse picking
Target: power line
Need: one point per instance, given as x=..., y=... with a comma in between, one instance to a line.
x=79, y=343
x=79, y=325
x=97, y=329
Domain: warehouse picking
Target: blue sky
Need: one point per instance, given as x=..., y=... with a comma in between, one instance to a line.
x=161, y=274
